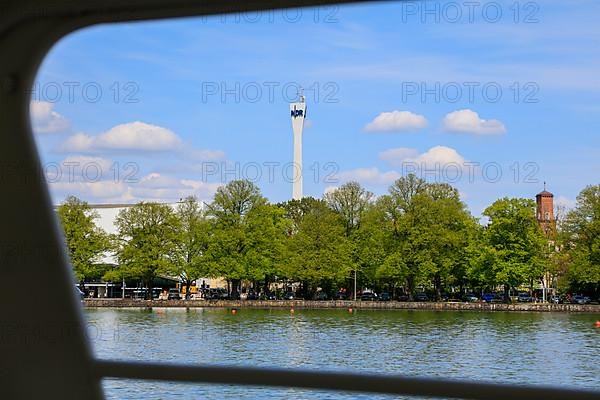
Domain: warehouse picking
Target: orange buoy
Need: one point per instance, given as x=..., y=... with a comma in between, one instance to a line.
x=598, y=324
x=233, y=311
x=292, y=310
x=350, y=309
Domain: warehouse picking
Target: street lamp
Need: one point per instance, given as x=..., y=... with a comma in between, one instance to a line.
x=354, y=283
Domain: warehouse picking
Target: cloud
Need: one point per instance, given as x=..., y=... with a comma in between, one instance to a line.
x=132, y=136
x=80, y=168
x=330, y=189
x=204, y=154
x=437, y=155
x=93, y=192
x=156, y=186
x=369, y=176
x=151, y=187
x=137, y=137
x=45, y=120
x=398, y=155
x=396, y=121
x=565, y=202
x=468, y=121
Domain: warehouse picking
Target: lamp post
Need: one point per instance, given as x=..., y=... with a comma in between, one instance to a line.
x=354, y=283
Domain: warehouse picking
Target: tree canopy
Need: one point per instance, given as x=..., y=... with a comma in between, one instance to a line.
x=419, y=236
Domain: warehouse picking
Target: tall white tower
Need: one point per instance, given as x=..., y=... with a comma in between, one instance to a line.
x=298, y=113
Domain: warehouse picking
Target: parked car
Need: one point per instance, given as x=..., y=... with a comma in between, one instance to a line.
x=217, y=294
x=555, y=299
x=251, y=296
x=368, y=296
x=321, y=296
x=524, y=298
x=141, y=293
x=174, y=294
x=487, y=297
x=288, y=296
x=579, y=299
x=444, y=297
x=340, y=296
x=470, y=298
x=385, y=296
x=267, y=296
x=421, y=297
x=403, y=297
x=499, y=298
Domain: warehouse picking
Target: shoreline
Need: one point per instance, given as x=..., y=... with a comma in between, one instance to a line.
x=358, y=305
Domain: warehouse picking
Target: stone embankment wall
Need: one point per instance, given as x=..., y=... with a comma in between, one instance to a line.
x=372, y=305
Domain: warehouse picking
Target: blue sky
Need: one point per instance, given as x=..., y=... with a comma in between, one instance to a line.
x=381, y=83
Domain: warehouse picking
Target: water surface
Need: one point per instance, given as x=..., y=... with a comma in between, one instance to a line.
x=533, y=348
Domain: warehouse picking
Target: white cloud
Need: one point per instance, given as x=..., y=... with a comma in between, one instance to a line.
x=159, y=187
x=137, y=137
x=369, y=176
x=152, y=187
x=132, y=136
x=396, y=121
x=80, y=168
x=82, y=161
x=45, y=120
x=204, y=154
x=565, y=202
x=93, y=192
x=435, y=156
x=441, y=155
x=468, y=121
x=398, y=155
x=330, y=189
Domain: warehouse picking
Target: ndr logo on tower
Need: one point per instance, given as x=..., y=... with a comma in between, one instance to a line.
x=297, y=113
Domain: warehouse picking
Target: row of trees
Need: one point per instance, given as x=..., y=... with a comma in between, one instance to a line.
x=417, y=235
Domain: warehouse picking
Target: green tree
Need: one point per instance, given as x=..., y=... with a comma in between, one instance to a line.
x=513, y=245
x=188, y=259
x=237, y=211
x=399, y=223
x=86, y=242
x=295, y=210
x=582, y=229
x=233, y=201
x=319, y=251
x=351, y=201
x=266, y=233
x=425, y=234
x=147, y=234
x=444, y=229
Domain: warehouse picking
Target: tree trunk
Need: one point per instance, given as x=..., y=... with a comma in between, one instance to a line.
x=438, y=287
x=149, y=283
x=188, y=285
x=410, y=287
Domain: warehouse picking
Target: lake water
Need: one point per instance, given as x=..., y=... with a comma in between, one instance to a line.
x=532, y=348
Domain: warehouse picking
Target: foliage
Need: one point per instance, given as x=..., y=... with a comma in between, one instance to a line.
x=419, y=236
x=319, y=251
x=147, y=233
x=512, y=249
x=192, y=235
x=582, y=244
x=86, y=243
